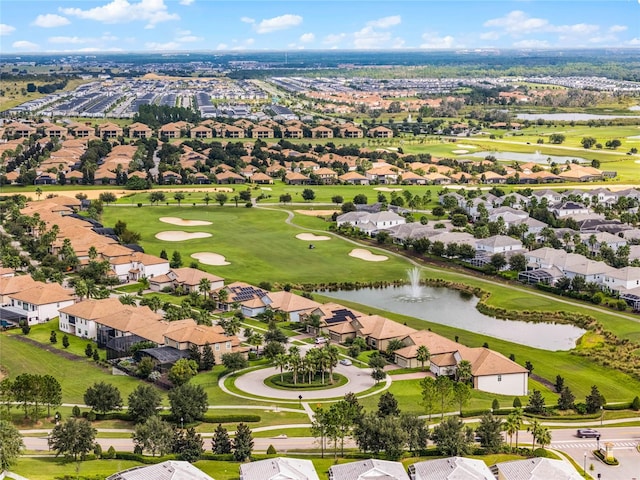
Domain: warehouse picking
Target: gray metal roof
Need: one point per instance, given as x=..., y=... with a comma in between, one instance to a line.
x=454, y=468
x=169, y=470
x=371, y=469
x=279, y=469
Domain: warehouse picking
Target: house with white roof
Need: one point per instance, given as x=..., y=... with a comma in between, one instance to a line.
x=453, y=468
x=551, y=196
x=498, y=244
x=596, y=240
x=536, y=469
x=169, y=470
x=279, y=468
x=368, y=469
x=619, y=279
x=371, y=223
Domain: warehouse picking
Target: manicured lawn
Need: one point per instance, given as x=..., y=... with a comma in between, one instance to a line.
x=74, y=376
x=257, y=243
x=46, y=468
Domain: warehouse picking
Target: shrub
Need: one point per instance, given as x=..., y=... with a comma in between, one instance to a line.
x=231, y=418
x=271, y=450
x=97, y=450
x=75, y=411
x=111, y=453
x=635, y=405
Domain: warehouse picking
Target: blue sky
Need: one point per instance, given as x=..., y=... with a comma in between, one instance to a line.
x=190, y=25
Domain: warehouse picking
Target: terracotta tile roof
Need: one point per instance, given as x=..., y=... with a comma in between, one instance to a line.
x=128, y=318
x=487, y=362
x=290, y=302
x=44, y=294
x=91, y=309
x=381, y=328
x=200, y=335
x=192, y=276
x=9, y=285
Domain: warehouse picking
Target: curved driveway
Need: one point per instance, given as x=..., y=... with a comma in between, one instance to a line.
x=359, y=380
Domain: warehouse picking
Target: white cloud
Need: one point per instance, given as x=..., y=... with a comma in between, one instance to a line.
x=368, y=38
x=307, y=37
x=434, y=41
x=490, y=36
x=121, y=11
x=50, y=20
x=634, y=41
x=6, y=29
x=334, y=38
x=282, y=22
x=25, y=44
x=189, y=39
x=385, y=22
x=532, y=44
x=162, y=46
x=248, y=20
x=186, y=2
x=518, y=23
x=618, y=28
x=71, y=40
x=222, y=46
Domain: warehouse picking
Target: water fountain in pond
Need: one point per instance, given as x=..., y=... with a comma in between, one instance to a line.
x=415, y=289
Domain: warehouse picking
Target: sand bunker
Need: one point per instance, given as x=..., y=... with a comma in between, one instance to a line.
x=268, y=189
x=316, y=213
x=209, y=258
x=461, y=145
x=366, y=255
x=310, y=237
x=184, y=223
x=387, y=189
x=637, y=161
x=179, y=235
x=459, y=152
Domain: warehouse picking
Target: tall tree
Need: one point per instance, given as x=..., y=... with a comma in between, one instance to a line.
x=12, y=445
x=489, y=431
x=594, y=400
x=153, y=435
x=103, y=397
x=183, y=371
x=73, y=438
x=221, y=443
x=423, y=355
x=444, y=390
x=463, y=371
x=461, y=394
x=188, y=444
x=51, y=393
x=143, y=403
x=429, y=395
x=452, y=438
x=242, y=443
x=388, y=405
x=188, y=402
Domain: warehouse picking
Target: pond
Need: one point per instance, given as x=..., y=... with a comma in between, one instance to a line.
x=458, y=309
x=535, y=157
x=570, y=117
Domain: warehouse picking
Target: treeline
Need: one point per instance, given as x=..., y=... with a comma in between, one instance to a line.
x=157, y=115
x=47, y=87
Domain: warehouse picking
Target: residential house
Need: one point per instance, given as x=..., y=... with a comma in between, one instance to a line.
x=411, y=178
x=15, y=284
x=622, y=279
x=322, y=132
x=294, y=178
x=110, y=130
x=291, y=304
x=383, y=174
x=252, y=300
x=370, y=223
x=201, y=132
x=354, y=178
x=377, y=331
x=498, y=244
x=233, y=131
x=170, y=131
x=194, y=335
x=570, y=209
x=372, y=469
x=453, y=468
x=137, y=265
x=595, y=241
x=41, y=302
x=406, y=357
x=79, y=319
x=328, y=315
x=493, y=372
x=260, y=131
x=280, y=468
x=326, y=175
x=552, y=197
x=536, y=469
x=229, y=177
x=261, y=178
x=186, y=278
x=351, y=131
x=380, y=132
x=82, y=131
x=140, y=130
x=169, y=470
x=56, y=131
x=292, y=131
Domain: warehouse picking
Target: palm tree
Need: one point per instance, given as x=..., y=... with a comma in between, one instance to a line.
x=534, y=427
x=204, y=286
x=281, y=361
x=127, y=299
x=517, y=415
x=511, y=427
x=223, y=296
x=423, y=355
x=463, y=371
x=544, y=436
x=332, y=358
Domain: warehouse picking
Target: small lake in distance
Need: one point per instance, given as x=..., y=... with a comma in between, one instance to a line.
x=457, y=309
